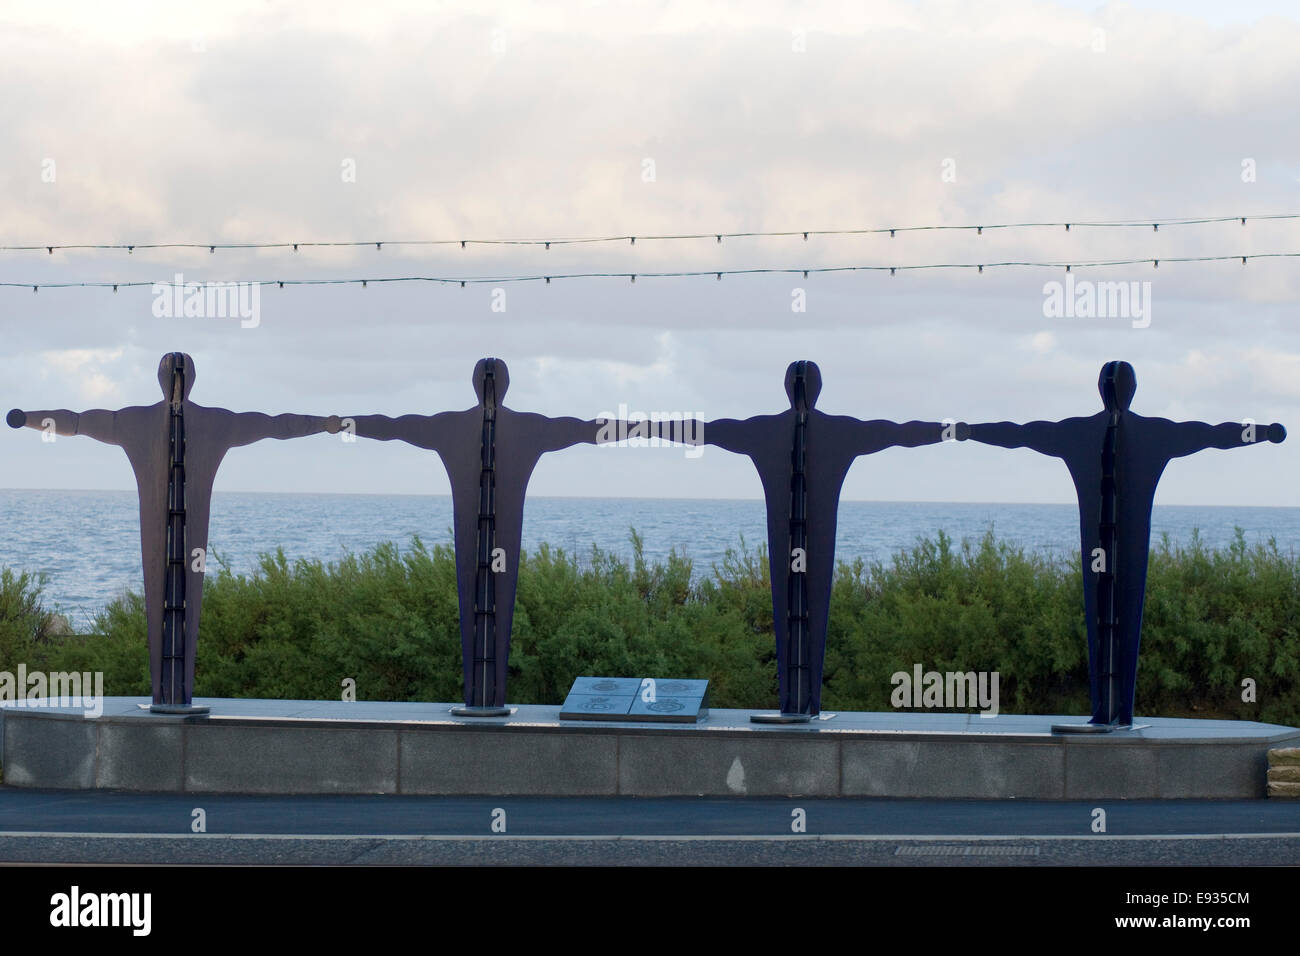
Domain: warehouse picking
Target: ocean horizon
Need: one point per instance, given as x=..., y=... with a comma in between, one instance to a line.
x=87, y=543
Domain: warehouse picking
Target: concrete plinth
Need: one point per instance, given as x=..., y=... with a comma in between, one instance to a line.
x=278, y=746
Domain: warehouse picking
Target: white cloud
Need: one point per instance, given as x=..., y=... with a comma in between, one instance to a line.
x=244, y=141
x=83, y=371
x=1275, y=372
x=1042, y=342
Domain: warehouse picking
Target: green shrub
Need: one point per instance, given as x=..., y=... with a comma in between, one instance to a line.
x=24, y=621
x=388, y=619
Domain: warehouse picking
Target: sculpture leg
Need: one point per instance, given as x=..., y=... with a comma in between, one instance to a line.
x=498, y=697
x=1113, y=675
x=1101, y=670
x=1100, y=722
x=174, y=684
x=1128, y=643
x=1113, y=658
x=167, y=663
x=484, y=692
x=790, y=616
x=173, y=687
x=1100, y=606
x=794, y=657
x=484, y=684
x=484, y=680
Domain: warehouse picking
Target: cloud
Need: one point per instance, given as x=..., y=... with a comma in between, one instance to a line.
x=1275, y=372
x=70, y=361
x=237, y=122
x=83, y=371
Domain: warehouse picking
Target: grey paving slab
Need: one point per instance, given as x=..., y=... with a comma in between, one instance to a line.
x=309, y=759
x=371, y=710
x=269, y=746
x=135, y=755
x=660, y=765
x=1115, y=770
x=977, y=769
x=49, y=750
x=924, y=723
x=459, y=762
x=1211, y=771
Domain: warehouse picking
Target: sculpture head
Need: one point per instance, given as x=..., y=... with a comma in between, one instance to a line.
x=167, y=371
x=1117, y=383
x=803, y=383
x=500, y=380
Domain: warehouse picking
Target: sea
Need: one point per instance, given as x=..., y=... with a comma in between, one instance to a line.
x=87, y=543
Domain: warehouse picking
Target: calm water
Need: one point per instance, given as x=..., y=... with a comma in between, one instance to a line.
x=88, y=541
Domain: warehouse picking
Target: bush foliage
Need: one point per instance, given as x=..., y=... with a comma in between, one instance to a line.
x=388, y=619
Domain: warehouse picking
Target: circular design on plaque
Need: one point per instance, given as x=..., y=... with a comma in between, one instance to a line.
x=605, y=686
x=665, y=706
x=599, y=703
x=672, y=687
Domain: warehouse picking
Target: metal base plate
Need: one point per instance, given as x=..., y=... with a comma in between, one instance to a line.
x=463, y=711
x=184, y=711
x=780, y=718
x=1089, y=728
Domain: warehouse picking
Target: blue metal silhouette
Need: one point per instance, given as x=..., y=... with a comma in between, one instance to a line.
x=489, y=452
x=175, y=448
x=1116, y=458
x=802, y=456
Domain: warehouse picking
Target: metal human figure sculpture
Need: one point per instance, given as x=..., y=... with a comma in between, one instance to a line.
x=489, y=452
x=802, y=456
x=1116, y=458
x=175, y=447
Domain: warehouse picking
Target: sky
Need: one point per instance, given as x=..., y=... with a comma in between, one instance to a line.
x=264, y=122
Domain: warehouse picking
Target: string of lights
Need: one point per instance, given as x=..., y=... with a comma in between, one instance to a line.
x=1153, y=224
x=633, y=276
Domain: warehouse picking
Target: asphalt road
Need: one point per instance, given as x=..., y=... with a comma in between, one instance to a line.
x=108, y=827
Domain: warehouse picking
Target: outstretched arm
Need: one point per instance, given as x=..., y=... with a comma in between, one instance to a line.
x=430, y=432
x=249, y=427
x=869, y=437
x=1046, y=438
x=97, y=423
x=557, y=433
x=1186, y=438
x=560, y=433
x=670, y=431
x=741, y=437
